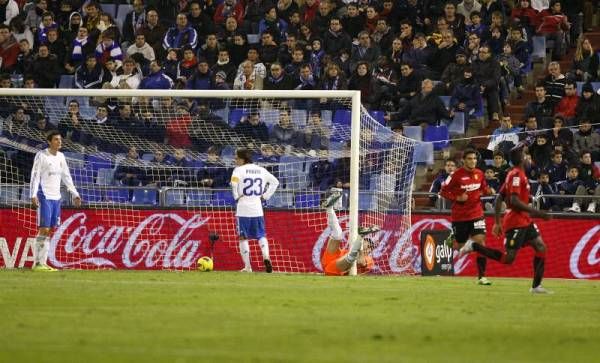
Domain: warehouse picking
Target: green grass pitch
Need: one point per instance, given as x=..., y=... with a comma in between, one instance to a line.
x=109, y=316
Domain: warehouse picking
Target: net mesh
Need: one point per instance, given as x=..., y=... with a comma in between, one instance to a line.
x=153, y=173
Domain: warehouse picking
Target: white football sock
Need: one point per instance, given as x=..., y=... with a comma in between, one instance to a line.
x=264, y=247
x=334, y=224
x=40, y=250
x=354, y=249
x=245, y=252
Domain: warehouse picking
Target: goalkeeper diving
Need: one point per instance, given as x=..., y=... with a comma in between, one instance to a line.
x=337, y=261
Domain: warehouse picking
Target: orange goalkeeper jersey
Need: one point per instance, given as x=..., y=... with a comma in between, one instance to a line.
x=328, y=262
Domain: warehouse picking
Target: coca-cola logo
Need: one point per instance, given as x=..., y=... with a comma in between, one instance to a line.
x=583, y=267
x=161, y=240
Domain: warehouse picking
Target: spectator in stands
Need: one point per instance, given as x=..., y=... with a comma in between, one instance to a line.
x=130, y=76
x=554, y=25
x=472, y=48
x=140, y=46
x=488, y=8
x=466, y=95
x=92, y=20
x=293, y=68
x=278, y=79
x=133, y=22
x=486, y=73
x=127, y=121
x=542, y=108
x=71, y=126
x=229, y=31
x=424, y=109
x=45, y=68
x=453, y=73
x=177, y=130
x=456, y=21
x=107, y=49
x=436, y=185
x=90, y=74
x=467, y=7
x=284, y=132
x=25, y=58
x=273, y=24
x=81, y=47
x=157, y=79
x=493, y=182
x=510, y=68
x=170, y=65
x=504, y=138
x=569, y=187
x=9, y=48
x=444, y=55
x=210, y=50
x=200, y=21
x=315, y=136
x=268, y=48
x=500, y=166
x=33, y=18
x=181, y=34
x=322, y=171
x=588, y=106
x=560, y=134
x=154, y=32
x=476, y=25
x=363, y=81
x=259, y=68
x=186, y=67
x=541, y=151
x=521, y=50
x=249, y=79
x=585, y=63
x=557, y=170
x=129, y=171
x=202, y=77
x=523, y=15
x=589, y=174
x=306, y=79
x=252, y=127
x=354, y=21
x=387, y=80
x=16, y=123
x=406, y=34
x=10, y=9
x=568, y=104
x=586, y=139
x=545, y=187
x=214, y=173
x=229, y=8
x=57, y=47
x=333, y=78
x=530, y=131
x=554, y=83
x=46, y=24
x=365, y=51
x=336, y=39
x=70, y=28
x=20, y=31
x=225, y=65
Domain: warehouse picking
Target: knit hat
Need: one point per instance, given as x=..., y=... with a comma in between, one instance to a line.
x=587, y=87
x=221, y=74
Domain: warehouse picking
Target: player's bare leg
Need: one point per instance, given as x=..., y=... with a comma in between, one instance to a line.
x=40, y=250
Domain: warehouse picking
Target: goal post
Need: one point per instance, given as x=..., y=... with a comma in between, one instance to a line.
x=377, y=191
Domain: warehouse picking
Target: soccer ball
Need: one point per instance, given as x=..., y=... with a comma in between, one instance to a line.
x=205, y=264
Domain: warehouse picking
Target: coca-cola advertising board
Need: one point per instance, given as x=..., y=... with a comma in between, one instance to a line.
x=175, y=239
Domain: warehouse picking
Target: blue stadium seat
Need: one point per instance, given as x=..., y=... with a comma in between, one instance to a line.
x=457, y=126
x=326, y=117
x=423, y=153
x=379, y=116
x=269, y=117
x=105, y=176
x=88, y=112
x=236, y=115
x=342, y=117
x=253, y=38
x=414, y=132
x=144, y=196
x=290, y=162
x=366, y=201
x=174, y=197
x=281, y=200
x=539, y=48
x=81, y=176
x=595, y=86
x=88, y=195
x=147, y=156
x=9, y=194
x=439, y=135
x=74, y=160
x=66, y=81
x=95, y=162
x=110, y=9
x=299, y=117
x=222, y=113
x=307, y=200
x=199, y=198
x=122, y=12
x=117, y=195
x=223, y=199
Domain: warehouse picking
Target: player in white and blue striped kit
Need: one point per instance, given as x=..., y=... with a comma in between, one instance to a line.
x=251, y=185
x=49, y=169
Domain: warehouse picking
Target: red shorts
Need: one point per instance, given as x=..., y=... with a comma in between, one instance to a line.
x=328, y=262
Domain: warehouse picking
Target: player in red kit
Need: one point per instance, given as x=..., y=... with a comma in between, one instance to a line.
x=517, y=225
x=464, y=188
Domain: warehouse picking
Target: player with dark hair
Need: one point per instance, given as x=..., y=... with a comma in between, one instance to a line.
x=517, y=224
x=337, y=261
x=251, y=185
x=464, y=188
x=49, y=169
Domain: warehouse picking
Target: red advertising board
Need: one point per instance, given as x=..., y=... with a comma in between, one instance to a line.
x=175, y=239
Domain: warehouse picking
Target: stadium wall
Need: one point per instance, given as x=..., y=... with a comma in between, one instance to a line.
x=175, y=239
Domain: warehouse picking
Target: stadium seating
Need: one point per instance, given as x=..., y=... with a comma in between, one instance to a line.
x=81, y=177
x=423, y=153
x=105, y=176
x=539, y=48
x=595, y=85
x=269, y=116
x=117, y=195
x=311, y=200
x=144, y=196
x=223, y=199
x=414, y=132
x=281, y=200
x=199, y=198
x=236, y=115
x=457, y=126
x=379, y=116
x=299, y=117
x=342, y=117
x=110, y=9
x=66, y=81
x=9, y=194
x=174, y=197
x=88, y=195
x=439, y=135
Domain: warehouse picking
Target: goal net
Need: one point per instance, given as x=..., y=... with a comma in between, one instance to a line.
x=153, y=171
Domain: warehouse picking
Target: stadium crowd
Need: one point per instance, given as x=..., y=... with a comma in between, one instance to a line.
x=404, y=56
